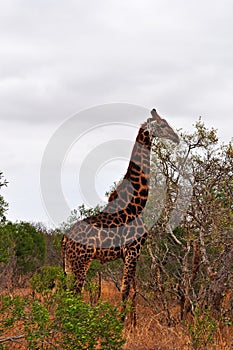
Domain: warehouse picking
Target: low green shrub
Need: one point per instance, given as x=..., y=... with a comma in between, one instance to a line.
x=58, y=318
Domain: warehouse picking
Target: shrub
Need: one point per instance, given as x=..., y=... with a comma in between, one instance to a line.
x=66, y=322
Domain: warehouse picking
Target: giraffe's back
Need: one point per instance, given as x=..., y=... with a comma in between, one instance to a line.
x=92, y=233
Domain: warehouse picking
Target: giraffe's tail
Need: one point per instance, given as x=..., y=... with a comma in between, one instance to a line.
x=63, y=250
x=65, y=263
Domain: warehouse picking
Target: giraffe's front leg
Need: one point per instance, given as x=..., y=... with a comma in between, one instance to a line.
x=128, y=280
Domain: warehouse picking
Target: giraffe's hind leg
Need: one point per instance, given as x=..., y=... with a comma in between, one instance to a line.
x=80, y=269
x=134, y=312
x=76, y=260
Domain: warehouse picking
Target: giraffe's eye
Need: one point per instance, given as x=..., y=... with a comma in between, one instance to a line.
x=163, y=123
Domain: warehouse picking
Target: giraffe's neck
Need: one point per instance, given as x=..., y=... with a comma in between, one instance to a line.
x=132, y=192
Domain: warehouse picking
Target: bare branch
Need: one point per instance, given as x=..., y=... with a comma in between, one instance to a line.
x=12, y=339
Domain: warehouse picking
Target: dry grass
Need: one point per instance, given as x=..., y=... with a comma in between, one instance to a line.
x=150, y=333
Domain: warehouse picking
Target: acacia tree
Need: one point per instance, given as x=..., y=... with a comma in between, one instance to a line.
x=190, y=217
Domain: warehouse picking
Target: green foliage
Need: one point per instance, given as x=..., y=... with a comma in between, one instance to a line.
x=29, y=248
x=32, y=316
x=48, y=278
x=3, y=182
x=85, y=212
x=6, y=244
x=112, y=188
x=79, y=214
x=202, y=328
x=23, y=243
x=62, y=320
x=3, y=204
x=93, y=281
x=86, y=327
x=53, y=247
x=56, y=239
x=3, y=210
x=94, y=268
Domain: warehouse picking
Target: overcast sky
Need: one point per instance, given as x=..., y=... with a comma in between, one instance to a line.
x=58, y=58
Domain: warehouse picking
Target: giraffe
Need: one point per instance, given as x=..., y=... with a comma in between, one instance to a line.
x=118, y=231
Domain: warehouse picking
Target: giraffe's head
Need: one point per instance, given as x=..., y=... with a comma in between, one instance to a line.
x=158, y=127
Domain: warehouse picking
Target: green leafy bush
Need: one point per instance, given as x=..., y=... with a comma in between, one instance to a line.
x=23, y=241
x=62, y=321
x=85, y=327
x=49, y=277
x=29, y=246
